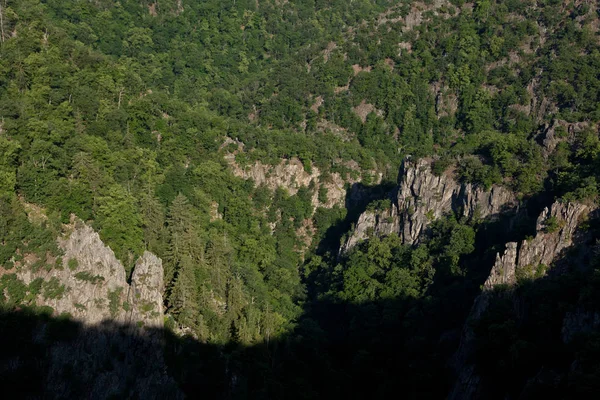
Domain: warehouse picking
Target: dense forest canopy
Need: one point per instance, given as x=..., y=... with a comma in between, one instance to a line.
x=137, y=116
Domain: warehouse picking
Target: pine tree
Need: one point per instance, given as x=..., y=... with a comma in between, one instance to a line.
x=183, y=300
x=153, y=218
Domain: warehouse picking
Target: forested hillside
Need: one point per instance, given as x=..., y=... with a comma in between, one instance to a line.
x=327, y=183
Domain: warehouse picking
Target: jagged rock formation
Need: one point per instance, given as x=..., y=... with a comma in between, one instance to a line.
x=91, y=285
x=503, y=271
x=559, y=131
x=291, y=175
x=379, y=223
x=555, y=228
x=422, y=197
x=117, y=351
x=145, y=293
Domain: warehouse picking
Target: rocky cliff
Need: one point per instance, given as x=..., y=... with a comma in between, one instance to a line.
x=291, y=175
x=113, y=346
x=555, y=228
x=422, y=197
x=91, y=286
x=531, y=258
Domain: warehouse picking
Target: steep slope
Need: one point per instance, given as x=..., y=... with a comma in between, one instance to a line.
x=422, y=197
x=529, y=259
x=91, y=286
x=115, y=324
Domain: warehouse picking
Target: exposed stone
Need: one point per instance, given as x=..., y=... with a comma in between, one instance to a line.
x=364, y=109
x=550, y=137
x=422, y=197
x=116, y=350
x=382, y=223
x=291, y=175
x=91, y=284
x=356, y=68
x=551, y=239
x=540, y=251
x=446, y=102
x=503, y=271
x=414, y=17
x=214, y=213
x=331, y=46
x=317, y=104
x=145, y=294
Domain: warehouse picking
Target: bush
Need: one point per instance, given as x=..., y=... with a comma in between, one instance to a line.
x=88, y=277
x=552, y=224
x=52, y=289
x=73, y=264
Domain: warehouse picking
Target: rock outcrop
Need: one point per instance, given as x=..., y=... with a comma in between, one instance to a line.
x=422, y=197
x=379, y=223
x=145, y=293
x=115, y=348
x=559, y=131
x=555, y=228
x=91, y=284
x=503, y=271
x=291, y=175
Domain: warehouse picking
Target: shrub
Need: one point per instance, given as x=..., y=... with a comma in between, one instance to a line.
x=52, y=289
x=88, y=277
x=113, y=301
x=552, y=224
x=73, y=264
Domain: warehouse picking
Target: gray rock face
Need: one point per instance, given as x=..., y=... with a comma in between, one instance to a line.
x=421, y=198
x=555, y=228
x=382, y=223
x=117, y=352
x=551, y=138
x=91, y=285
x=291, y=175
x=503, y=271
x=145, y=294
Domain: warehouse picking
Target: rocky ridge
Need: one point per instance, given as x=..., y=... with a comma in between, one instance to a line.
x=91, y=284
x=422, y=197
x=531, y=258
x=291, y=175
x=120, y=324
x=555, y=228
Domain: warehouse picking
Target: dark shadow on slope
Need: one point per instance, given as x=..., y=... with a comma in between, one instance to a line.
x=46, y=357
x=358, y=197
x=364, y=350
x=392, y=348
x=540, y=338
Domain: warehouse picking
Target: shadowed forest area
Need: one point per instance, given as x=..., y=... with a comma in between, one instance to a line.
x=362, y=350
x=373, y=349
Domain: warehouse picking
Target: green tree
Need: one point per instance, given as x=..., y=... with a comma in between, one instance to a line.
x=120, y=224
